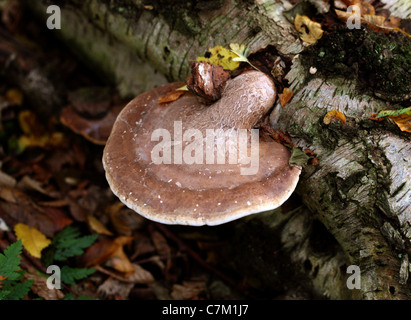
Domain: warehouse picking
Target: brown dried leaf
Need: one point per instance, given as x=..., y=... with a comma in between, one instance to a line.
x=40, y=288
x=20, y=208
x=334, y=115
x=277, y=134
x=403, y=121
x=162, y=247
x=373, y=117
x=285, y=96
x=58, y=216
x=7, y=180
x=98, y=253
x=124, y=220
x=77, y=212
x=97, y=226
x=120, y=262
x=188, y=290
x=365, y=7
x=28, y=183
x=140, y=275
x=96, y=130
x=114, y=288
x=112, y=250
x=171, y=96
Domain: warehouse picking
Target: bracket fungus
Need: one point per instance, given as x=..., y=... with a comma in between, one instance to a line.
x=188, y=163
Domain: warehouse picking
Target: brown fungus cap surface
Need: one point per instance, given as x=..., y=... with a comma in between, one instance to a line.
x=204, y=192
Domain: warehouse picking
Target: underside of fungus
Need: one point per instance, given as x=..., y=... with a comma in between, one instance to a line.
x=181, y=181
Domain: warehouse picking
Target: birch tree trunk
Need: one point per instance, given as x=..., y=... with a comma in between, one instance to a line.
x=357, y=201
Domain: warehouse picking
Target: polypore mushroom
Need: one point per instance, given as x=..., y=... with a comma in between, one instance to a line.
x=187, y=181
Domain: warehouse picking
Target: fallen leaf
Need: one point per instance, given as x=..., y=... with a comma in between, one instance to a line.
x=19, y=207
x=334, y=115
x=315, y=161
x=32, y=239
x=112, y=288
x=277, y=134
x=375, y=22
x=285, y=96
x=29, y=123
x=188, y=290
x=171, y=96
x=98, y=253
x=298, y=157
x=7, y=180
x=140, y=275
x=387, y=113
x=184, y=88
x=58, y=216
x=15, y=97
x=119, y=259
x=124, y=220
x=402, y=121
x=222, y=57
x=34, y=133
x=241, y=51
x=162, y=247
x=96, y=130
x=120, y=262
x=112, y=251
x=28, y=183
x=373, y=117
x=97, y=226
x=40, y=288
x=365, y=7
x=401, y=117
x=378, y=21
x=309, y=30
x=313, y=157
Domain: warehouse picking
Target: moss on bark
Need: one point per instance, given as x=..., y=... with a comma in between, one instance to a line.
x=381, y=62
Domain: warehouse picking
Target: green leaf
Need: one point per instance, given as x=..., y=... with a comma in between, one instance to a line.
x=70, y=275
x=10, y=261
x=19, y=290
x=3, y=294
x=11, y=287
x=68, y=243
x=298, y=157
x=387, y=113
x=70, y=296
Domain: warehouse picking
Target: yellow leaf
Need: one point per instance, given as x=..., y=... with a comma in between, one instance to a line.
x=222, y=57
x=240, y=51
x=183, y=88
x=334, y=115
x=309, y=30
x=97, y=226
x=14, y=96
x=32, y=239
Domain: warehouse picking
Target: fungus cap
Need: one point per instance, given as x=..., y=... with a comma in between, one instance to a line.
x=191, y=192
